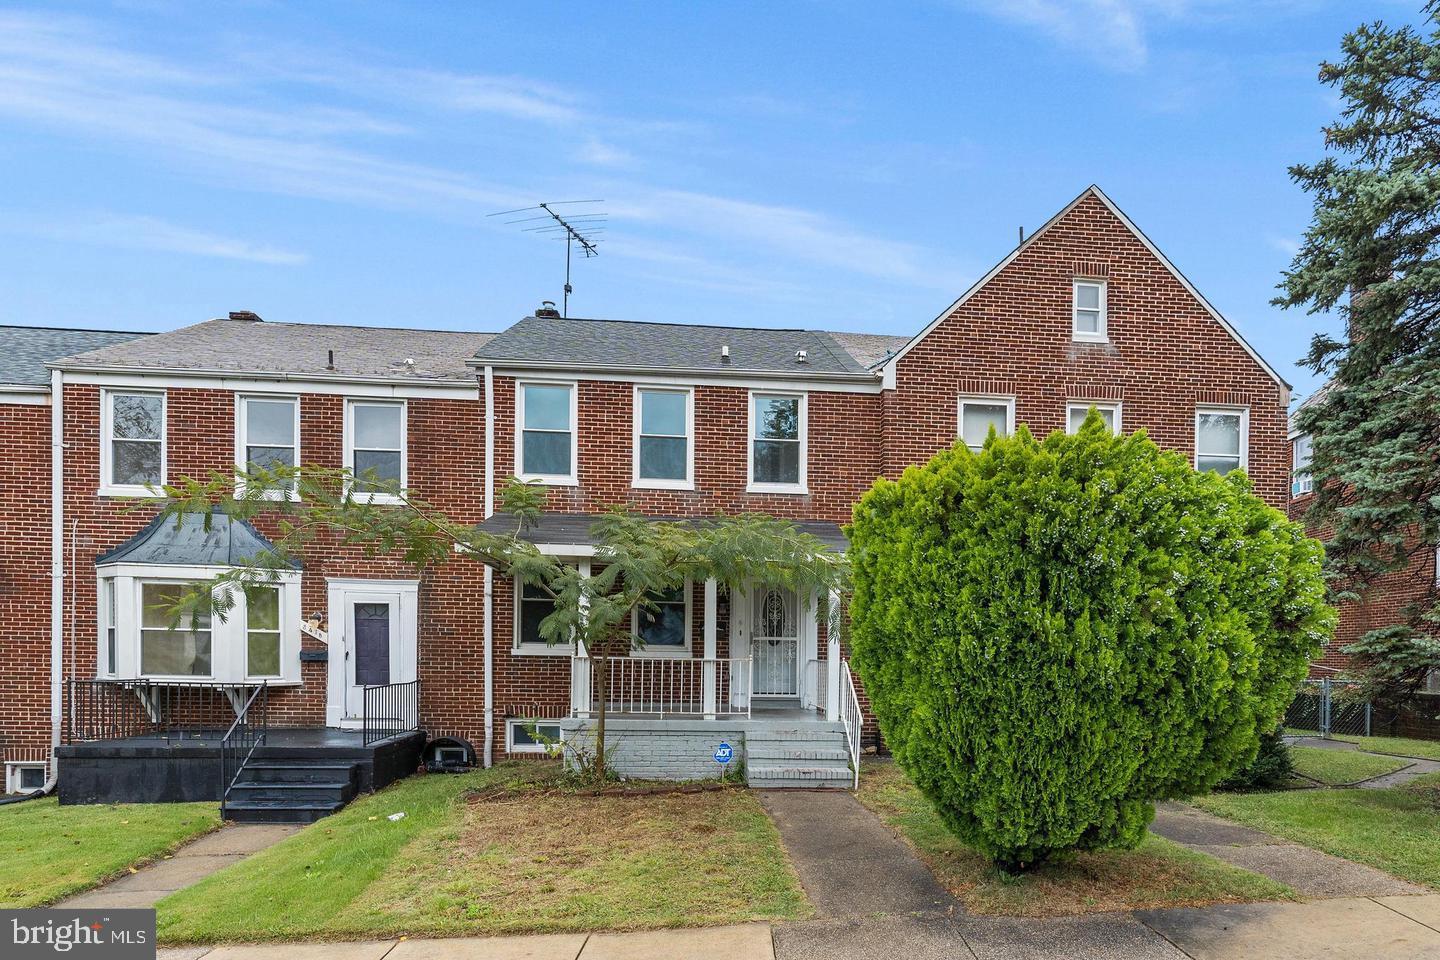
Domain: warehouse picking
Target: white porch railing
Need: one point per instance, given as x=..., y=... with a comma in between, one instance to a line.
x=664, y=686
x=851, y=716
x=817, y=684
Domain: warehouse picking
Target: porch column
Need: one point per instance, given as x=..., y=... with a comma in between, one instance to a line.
x=709, y=669
x=581, y=687
x=832, y=656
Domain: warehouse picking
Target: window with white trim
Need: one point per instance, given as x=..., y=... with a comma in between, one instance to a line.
x=532, y=605
x=107, y=612
x=663, y=429
x=664, y=628
x=133, y=454
x=545, y=439
x=172, y=646
x=1088, y=310
x=1300, y=481
x=777, y=442
x=1077, y=410
x=531, y=736
x=979, y=414
x=262, y=631
x=268, y=435
x=24, y=777
x=1221, y=439
x=375, y=447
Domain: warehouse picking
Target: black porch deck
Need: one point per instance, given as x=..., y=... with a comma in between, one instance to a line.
x=182, y=766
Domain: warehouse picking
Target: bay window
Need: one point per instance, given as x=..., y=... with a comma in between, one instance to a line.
x=170, y=645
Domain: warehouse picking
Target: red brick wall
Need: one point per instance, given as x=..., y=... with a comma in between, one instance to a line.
x=1166, y=355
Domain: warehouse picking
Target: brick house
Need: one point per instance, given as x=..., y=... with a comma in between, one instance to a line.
x=675, y=420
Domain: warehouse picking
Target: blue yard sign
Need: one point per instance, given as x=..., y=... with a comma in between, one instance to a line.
x=723, y=753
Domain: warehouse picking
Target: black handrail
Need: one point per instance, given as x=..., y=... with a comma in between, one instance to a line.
x=102, y=709
x=389, y=710
x=244, y=735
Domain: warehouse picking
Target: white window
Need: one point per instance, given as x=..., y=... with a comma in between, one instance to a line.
x=262, y=631
x=531, y=736
x=545, y=440
x=979, y=414
x=664, y=630
x=132, y=452
x=532, y=605
x=172, y=646
x=1077, y=410
x=1089, y=321
x=375, y=448
x=1301, y=481
x=777, y=442
x=24, y=777
x=268, y=435
x=1221, y=439
x=664, y=425
x=109, y=626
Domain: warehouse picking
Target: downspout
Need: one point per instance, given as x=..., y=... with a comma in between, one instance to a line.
x=489, y=570
x=57, y=569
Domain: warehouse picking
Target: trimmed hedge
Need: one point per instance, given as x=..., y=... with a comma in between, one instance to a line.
x=1054, y=634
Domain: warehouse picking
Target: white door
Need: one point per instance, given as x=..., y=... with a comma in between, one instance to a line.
x=775, y=641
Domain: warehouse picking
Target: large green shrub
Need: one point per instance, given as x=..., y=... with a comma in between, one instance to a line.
x=1054, y=634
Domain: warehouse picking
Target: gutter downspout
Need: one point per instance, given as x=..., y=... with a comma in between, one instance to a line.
x=489, y=570
x=57, y=569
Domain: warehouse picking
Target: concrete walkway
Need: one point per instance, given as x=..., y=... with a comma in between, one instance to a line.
x=188, y=865
x=1415, y=766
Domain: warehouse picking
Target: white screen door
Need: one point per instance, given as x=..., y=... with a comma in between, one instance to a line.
x=775, y=629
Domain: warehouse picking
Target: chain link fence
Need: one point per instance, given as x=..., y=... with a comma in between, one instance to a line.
x=1323, y=708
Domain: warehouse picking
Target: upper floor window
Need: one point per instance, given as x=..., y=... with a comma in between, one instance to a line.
x=663, y=422
x=979, y=414
x=664, y=629
x=777, y=442
x=1077, y=411
x=1220, y=439
x=1089, y=321
x=133, y=451
x=375, y=447
x=1301, y=481
x=545, y=441
x=269, y=433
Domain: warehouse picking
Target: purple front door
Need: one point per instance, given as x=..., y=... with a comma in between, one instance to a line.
x=372, y=644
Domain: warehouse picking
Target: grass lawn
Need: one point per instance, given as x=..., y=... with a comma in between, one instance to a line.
x=1157, y=874
x=1399, y=746
x=524, y=855
x=1338, y=767
x=1396, y=830
x=48, y=852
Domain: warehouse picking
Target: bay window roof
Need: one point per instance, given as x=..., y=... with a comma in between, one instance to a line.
x=215, y=539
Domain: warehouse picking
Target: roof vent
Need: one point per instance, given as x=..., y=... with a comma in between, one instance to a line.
x=801, y=356
x=547, y=309
x=248, y=316
x=724, y=353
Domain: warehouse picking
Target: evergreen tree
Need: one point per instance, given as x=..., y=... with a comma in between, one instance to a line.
x=1370, y=257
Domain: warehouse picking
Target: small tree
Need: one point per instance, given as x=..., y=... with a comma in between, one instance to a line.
x=1054, y=634
x=635, y=559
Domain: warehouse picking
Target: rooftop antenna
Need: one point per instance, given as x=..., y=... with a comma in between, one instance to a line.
x=567, y=228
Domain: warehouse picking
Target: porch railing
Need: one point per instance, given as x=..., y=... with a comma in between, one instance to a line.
x=170, y=709
x=817, y=686
x=389, y=710
x=851, y=717
x=239, y=743
x=664, y=686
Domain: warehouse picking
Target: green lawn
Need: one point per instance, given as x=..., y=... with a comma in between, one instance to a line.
x=48, y=852
x=1340, y=767
x=1398, y=746
x=1157, y=874
x=525, y=855
x=1396, y=830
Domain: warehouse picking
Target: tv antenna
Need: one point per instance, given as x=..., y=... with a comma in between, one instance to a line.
x=569, y=228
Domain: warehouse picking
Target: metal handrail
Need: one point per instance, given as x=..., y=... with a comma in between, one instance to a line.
x=118, y=709
x=665, y=686
x=389, y=710
x=851, y=717
x=242, y=735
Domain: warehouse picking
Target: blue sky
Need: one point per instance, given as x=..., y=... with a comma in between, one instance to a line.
x=842, y=165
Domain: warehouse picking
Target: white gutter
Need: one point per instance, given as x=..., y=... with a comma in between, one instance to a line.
x=558, y=366
x=488, y=628
x=57, y=566
x=211, y=373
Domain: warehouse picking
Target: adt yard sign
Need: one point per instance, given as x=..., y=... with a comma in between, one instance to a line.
x=723, y=753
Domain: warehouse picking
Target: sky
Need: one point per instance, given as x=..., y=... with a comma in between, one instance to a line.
x=836, y=165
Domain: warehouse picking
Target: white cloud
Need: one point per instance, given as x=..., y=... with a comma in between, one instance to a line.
x=151, y=233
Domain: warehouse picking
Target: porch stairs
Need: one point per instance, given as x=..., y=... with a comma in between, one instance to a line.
x=797, y=754
x=291, y=791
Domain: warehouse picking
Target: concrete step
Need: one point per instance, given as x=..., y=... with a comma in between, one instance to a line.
x=793, y=777
x=794, y=755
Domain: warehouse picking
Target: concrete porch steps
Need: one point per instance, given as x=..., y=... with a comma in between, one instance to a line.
x=798, y=755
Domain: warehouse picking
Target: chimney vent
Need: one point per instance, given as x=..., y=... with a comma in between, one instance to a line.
x=547, y=309
x=724, y=353
x=248, y=316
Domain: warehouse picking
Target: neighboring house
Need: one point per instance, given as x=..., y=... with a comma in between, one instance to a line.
x=677, y=421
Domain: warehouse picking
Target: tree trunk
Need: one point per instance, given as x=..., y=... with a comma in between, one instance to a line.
x=602, y=663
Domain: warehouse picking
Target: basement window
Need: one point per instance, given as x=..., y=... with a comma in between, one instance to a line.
x=523, y=735
x=24, y=777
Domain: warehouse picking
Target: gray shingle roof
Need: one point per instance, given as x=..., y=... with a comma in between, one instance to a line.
x=190, y=541
x=624, y=343
x=574, y=528
x=24, y=351
x=869, y=349
x=298, y=349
